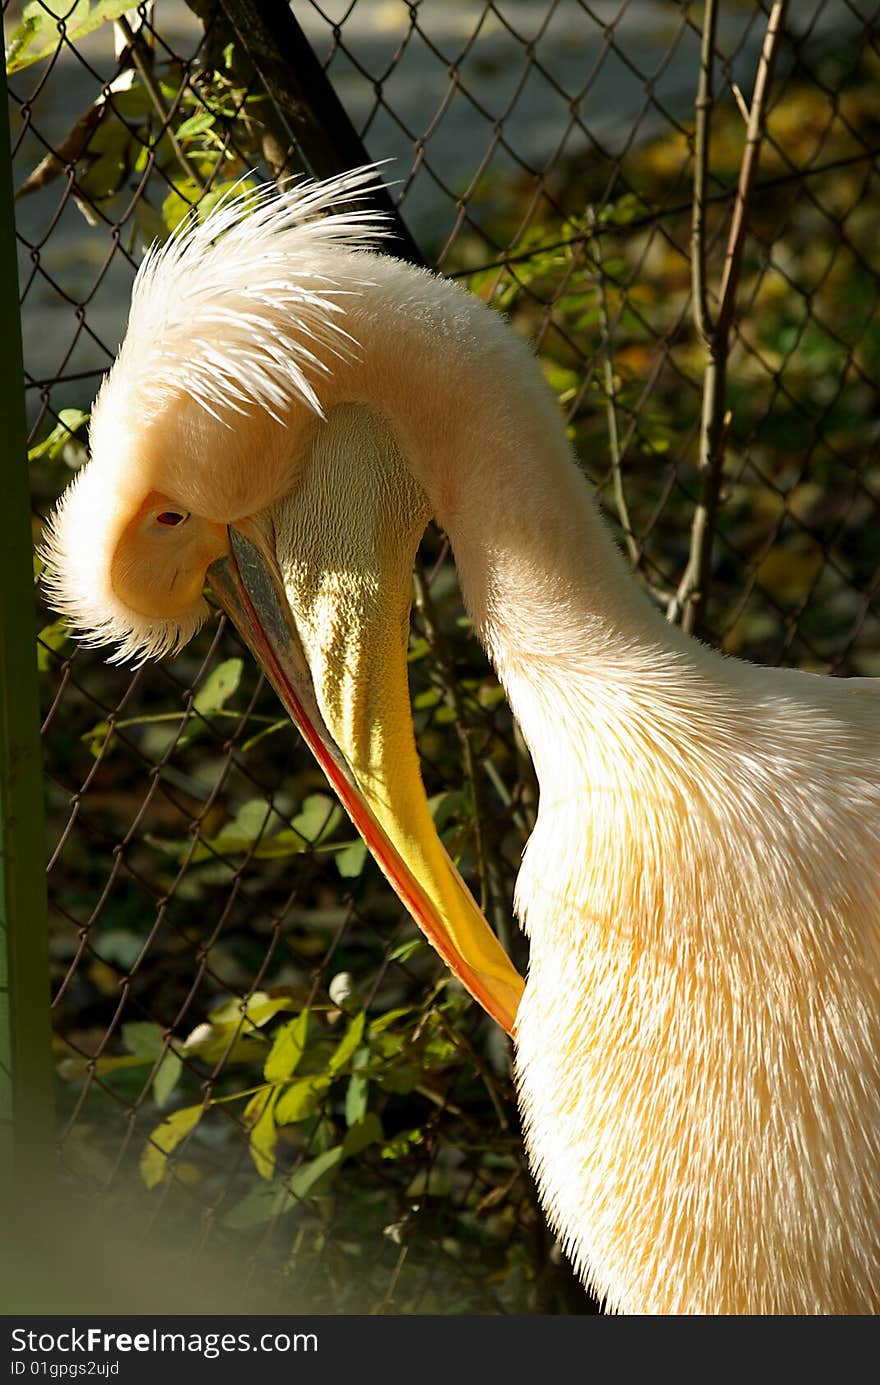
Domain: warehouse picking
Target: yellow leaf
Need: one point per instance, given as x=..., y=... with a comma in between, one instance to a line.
x=164, y=1140
x=301, y=1099
x=348, y=1043
x=290, y=1042
x=255, y=1011
x=260, y=1116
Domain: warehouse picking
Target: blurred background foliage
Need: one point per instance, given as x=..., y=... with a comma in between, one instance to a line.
x=248, y=1027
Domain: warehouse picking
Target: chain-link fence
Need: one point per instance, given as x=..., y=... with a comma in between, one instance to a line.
x=260, y=1063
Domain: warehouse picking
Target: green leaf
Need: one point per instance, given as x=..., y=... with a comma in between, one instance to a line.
x=51, y=637
x=490, y=695
x=53, y=445
x=196, y=125
x=317, y=819
x=257, y=1010
x=73, y=1068
x=315, y=1177
x=166, y=1078
x=263, y=1203
x=287, y=1049
x=96, y=739
x=282, y=844
x=179, y=202
x=144, y=1038
x=212, y=1041
x=301, y=1099
x=366, y=1131
x=378, y=1026
x=561, y=379
x=255, y=818
x=418, y=649
x=401, y=1081
x=402, y=1144
x=351, y=859
x=38, y=36
x=259, y=1115
x=283, y=724
x=404, y=951
x=273, y=1200
x=148, y=222
x=356, y=1097
x=187, y=194
x=132, y=102
x=253, y=830
x=624, y=210
x=348, y=1043
x=424, y=701
x=164, y=1140
x=218, y=687
x=121, y=947
x=106, y=161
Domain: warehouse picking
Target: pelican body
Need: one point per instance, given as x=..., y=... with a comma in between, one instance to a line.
x=698, y=1044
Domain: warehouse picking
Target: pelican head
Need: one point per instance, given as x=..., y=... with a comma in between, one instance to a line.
x=199, y=423
x=214, y=461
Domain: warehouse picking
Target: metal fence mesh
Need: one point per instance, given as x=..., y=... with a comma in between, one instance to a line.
x=542, y=152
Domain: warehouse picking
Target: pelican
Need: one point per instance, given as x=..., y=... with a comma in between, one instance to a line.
x=697, y=1050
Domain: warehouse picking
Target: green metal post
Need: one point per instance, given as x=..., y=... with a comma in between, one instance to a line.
x=25, y=1040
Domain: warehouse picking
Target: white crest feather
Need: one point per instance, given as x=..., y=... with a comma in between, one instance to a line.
x=222, y=307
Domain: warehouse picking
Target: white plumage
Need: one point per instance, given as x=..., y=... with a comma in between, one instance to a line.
x=698, y=1046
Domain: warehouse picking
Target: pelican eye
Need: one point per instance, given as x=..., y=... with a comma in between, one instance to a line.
x=172, y=518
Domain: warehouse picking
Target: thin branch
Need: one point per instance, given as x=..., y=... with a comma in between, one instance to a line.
x=740, y=101
x=134, y=43
x=594, y=252
x=749, y=168
x=689, y=602
x=392, y=1283
x=702, y=139
x=523, y=822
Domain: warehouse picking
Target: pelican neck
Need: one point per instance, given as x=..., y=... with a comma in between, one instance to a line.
x=540, y=574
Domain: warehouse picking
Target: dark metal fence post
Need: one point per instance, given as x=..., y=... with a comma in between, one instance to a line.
x=25, y=1045
x=304, y=99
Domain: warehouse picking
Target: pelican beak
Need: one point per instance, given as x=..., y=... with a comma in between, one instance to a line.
x=333, y=644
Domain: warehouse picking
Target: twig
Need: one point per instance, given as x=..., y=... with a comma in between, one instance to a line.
x=689, y=602
x=134, y=43
x=740, y=101
x=392, y=1283
x=480, y=1067
x=702, y=136
x=594, y=251
x=526, y=776
x=749, y=168
x=518, y=817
